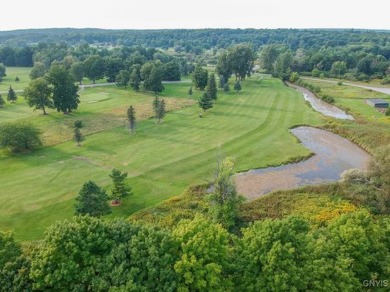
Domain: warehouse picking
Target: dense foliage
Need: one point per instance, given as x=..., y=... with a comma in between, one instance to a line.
x=89, y=254
x=19, y=136
x=92, y=200
x=93, y=53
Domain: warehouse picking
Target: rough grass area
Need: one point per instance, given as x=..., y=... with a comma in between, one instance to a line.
x=162, y=159
x=317, y=204
x=353, y=99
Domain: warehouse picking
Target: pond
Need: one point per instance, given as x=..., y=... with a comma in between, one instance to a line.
x=333, y=155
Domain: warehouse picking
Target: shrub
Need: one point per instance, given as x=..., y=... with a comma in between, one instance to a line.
x=17, y=137
x=385, y=81
x=78, y=124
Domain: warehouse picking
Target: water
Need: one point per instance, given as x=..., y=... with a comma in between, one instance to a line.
x=333, y=155
x=322, y=106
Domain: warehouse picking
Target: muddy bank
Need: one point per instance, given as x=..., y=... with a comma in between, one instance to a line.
x=333, y=155
x=320, y=105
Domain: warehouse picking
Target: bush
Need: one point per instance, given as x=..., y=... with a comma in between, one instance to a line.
x=388, y=112
x=327, y=98
x=17, y=137
x=78, y=124
x=385, y=81
x=315, y=72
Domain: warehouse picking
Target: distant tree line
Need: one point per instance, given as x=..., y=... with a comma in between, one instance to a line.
x=360, y=54
x=196, y=40
x=353, y=61
x=91, y=62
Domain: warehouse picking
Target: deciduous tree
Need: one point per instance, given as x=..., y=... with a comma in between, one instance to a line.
x=200, y=77
x=225, y=201
x=38, y=94
x=65, y=97
x=135, y=77
x=242, y=59
x=39, y=70
x=122, y=78
x=19, y=136
x=205, y=255
x=94, y=67
x=77, y=70
x=224, y=68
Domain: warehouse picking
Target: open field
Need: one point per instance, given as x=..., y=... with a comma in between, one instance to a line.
x=100, y=108
x=352, y=98
x=162, y=160
x=12, y=72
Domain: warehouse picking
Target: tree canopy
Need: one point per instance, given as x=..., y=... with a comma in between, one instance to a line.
x=65, y=97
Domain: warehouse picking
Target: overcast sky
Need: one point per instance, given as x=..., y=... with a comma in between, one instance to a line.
x=147, y=14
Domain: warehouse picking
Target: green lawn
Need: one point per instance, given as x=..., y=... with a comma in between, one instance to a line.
x=162, y=160
x=352, y=98
x=12, y=72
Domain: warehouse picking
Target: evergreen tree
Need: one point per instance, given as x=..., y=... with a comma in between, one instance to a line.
x=237, y=86
x=120, y=189
x=205, y=102
x=212, y=87
x=92, y=201
x=156, y=102
x=78, y=137
x=78, y=124
x=2, y=101
x=131, y=118
x=11, y=96
x=161, y=110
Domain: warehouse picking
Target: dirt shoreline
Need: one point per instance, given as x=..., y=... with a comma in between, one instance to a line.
x=333, y=155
